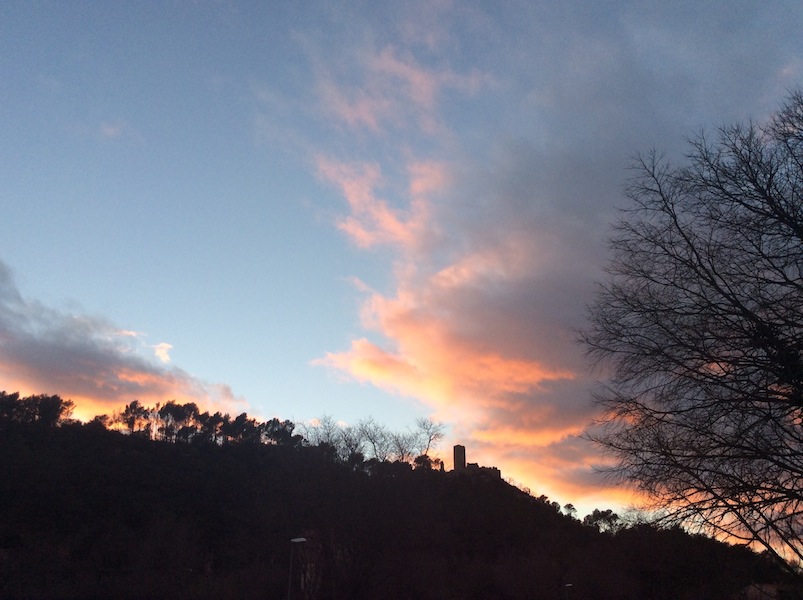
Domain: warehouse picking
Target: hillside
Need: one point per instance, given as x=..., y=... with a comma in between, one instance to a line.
x=90, y=513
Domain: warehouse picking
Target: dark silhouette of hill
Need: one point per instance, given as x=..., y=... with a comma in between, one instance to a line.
x=86, y=512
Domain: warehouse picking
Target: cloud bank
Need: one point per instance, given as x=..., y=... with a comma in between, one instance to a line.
x=90, y=361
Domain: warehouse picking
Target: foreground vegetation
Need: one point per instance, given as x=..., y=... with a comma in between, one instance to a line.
x=87, y=511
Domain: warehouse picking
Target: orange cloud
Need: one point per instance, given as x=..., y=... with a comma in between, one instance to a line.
x=564, y=481
x=89, y=360
x=431, y=361
x=111, y=392
x=523, y=437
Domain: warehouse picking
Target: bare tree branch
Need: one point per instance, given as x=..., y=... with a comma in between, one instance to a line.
x=699, y=327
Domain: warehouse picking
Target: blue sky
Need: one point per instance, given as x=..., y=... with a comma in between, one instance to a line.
x=387, y=209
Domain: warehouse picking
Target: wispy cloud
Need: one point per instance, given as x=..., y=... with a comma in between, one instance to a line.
x=392, y=89
x=356, y=107
x=111, y=130
x=89, y=360
x=372, y=220
x=117, y=131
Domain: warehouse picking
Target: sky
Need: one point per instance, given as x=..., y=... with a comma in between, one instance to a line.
x=356, y=209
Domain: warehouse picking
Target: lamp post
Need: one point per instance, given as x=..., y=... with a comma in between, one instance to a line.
x=293, y=542
x=566, y=587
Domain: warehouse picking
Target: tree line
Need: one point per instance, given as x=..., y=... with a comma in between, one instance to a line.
x=174, y=422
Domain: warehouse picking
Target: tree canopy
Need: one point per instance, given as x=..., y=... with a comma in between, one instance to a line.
x=699, y=328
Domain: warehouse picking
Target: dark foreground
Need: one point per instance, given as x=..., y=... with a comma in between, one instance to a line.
x=91, y=513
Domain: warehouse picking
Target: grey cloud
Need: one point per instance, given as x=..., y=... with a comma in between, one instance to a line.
x=630, y=78
x=79, y=355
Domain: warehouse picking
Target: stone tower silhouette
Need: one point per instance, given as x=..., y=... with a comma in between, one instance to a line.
x=459, y=458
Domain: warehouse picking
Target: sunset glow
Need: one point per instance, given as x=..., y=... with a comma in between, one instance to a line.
x=387, y=210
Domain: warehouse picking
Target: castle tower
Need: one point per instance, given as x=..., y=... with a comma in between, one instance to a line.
x=459, y=458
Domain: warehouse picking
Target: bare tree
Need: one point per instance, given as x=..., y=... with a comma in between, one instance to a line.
x=377, y=439
x=324, y=430
x=371, y=440
x=429, y=433
x=403, y=446
x=352, y=444
x=700, y=326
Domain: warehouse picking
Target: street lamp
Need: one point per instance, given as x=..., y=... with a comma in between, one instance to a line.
x=293, y=542
x=566, y=587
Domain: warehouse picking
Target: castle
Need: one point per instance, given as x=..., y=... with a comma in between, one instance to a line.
x=460, y=465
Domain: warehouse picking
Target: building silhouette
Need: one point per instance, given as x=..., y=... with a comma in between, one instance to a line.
x=460, y=465
x=459, y=458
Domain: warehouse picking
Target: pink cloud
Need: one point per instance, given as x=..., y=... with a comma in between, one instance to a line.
x=372, y=220
x=427, y=177
x=419, y=85
x=392, y=90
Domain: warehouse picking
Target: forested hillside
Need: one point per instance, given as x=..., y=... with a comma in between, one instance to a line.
x=89, y=512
